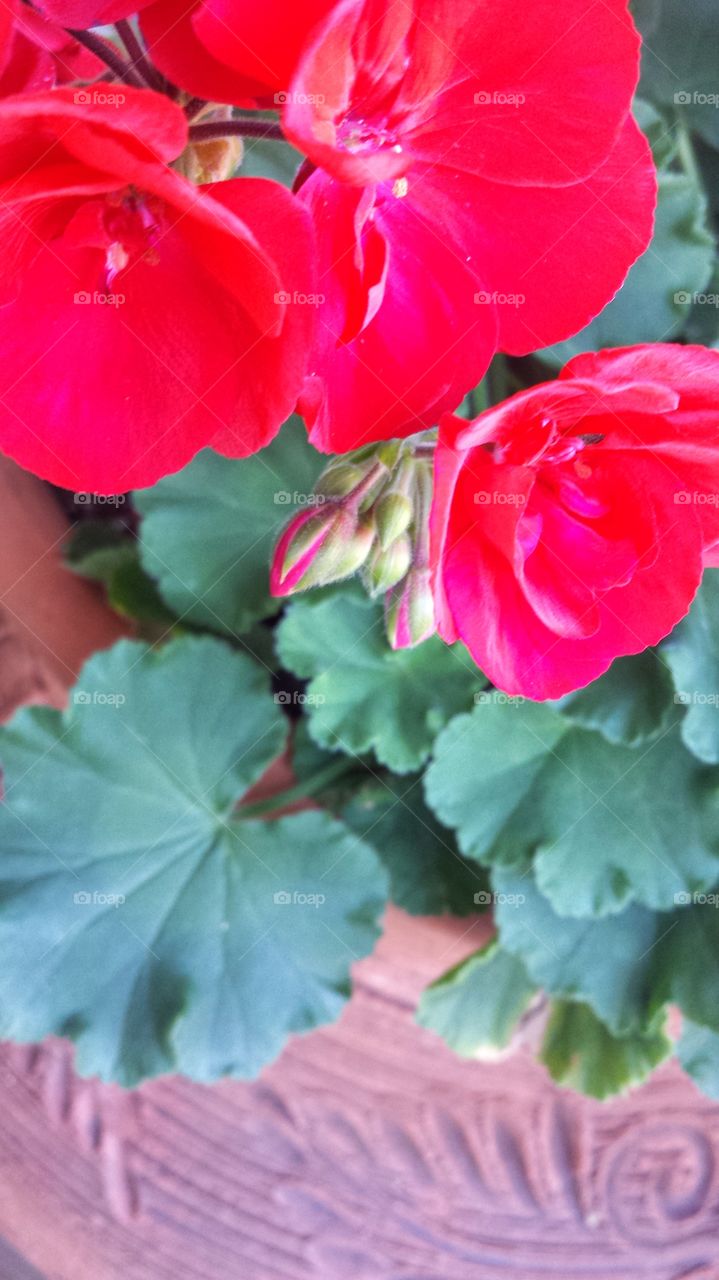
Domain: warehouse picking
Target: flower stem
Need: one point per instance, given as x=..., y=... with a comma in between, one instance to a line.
x=140, y=63
x=112, y=59
x=353, y=501
x=303, y=791
x=194, y=106
x=246, y=127
x=304, y=172
x=423, y=493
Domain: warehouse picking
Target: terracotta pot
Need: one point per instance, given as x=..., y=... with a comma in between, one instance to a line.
x=50, y=620
x=368, y=1151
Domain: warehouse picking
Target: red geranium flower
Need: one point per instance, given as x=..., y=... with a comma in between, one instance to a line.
x=37, y=54
x=481, y=185
x=144, y=317
x=230, y=50
x=570, y=524
x=83, y=14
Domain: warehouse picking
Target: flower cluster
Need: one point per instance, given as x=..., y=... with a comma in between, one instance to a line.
x=471, y=180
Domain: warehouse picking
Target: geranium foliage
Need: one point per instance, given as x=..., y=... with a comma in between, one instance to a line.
x=375, y=347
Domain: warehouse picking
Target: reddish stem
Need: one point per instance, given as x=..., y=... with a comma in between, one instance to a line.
x=245, y=128
x=140, y=62
x=109, y=56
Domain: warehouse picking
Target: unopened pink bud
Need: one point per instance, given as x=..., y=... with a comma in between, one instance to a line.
x=409, y=611
x=319, y=547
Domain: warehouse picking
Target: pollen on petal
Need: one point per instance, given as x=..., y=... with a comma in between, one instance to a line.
x=116, y=259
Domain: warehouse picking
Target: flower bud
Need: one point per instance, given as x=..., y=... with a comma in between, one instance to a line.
x=340, y=479
x=215, y=158
x=393, y=516
x=409, y=611
x=320, y=547
x=384, y=569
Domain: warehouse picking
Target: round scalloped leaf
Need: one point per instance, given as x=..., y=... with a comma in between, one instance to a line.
x=140, y=913
x=428, y=875
x=363, y=696
x=208, y=531
x=476, y=1005
x=679, y=59
x=692, y=652
x=631, y=704
x=603, y=825
x=698, y=1052
x=627, y=967
x=581, y=1053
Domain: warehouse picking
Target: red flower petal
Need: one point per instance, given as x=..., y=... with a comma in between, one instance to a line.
x=397, y=343
x=175, y=47
x=261, y=43
x=146, y=318
x=570, y=526
x=537, y=98
x=511, y=641
x=384, y=100
x=538, y=102
x=83, y=14
x=504, y=260
x=565, y=251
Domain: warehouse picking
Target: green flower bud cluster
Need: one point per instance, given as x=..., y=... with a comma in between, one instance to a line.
x=372, y=517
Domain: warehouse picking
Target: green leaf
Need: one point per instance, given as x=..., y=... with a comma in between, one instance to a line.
x=140, y=913
x=476, y=1005
x=580, y=1052
x=686, y=958
x=630, y=705
x=698, y=1052
x=268, y=158
x=626, y=966
x=655, y=302
x=679, y=59
x=692, y=652
x=104, y=552
x=616, y=825
x=96, y=547
x=363, y=696
x=603, y=824
x=484, y=764
x=428, y=875
x=208, y=532
x=607, y=963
